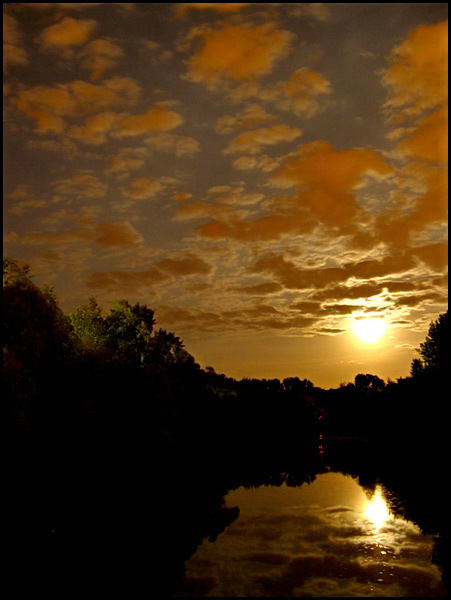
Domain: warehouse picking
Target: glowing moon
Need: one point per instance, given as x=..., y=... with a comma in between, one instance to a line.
x=369, y=330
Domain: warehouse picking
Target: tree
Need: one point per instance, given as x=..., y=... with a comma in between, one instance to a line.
x=89, y=325
x=434, y=351
x=34, y=327
x=129, y=331
x=369, y=381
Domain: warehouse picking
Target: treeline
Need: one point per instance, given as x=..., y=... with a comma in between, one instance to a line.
x=101, y=411
x=85, y=370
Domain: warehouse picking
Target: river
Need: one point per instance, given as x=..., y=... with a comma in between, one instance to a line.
x=331, y=537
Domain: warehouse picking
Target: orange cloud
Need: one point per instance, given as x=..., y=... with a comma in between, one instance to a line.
x=396, y=227
x=49, y=107
x=418, y=73
x=13, y=52
x=238, y=52
x=68, y=32
x=251, y=117
x=98, y=56
x=134, y=282
x=130, y=282
x=301, y=91
x=143, y=188
x=95, y=128
x=188, y=265
x=82, y=185
x=251, y=142
x=293, y=276
x=156, y=119
x=327, y=178
x=271, y=227
x=429, y=140
x=117, y=234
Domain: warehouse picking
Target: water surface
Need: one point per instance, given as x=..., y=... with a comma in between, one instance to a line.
x=328, y=538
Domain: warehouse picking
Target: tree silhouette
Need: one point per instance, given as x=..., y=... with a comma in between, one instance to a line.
x=434, y=351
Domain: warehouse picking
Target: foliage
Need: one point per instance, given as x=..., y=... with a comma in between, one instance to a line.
x=34, y=327
x=88, y=325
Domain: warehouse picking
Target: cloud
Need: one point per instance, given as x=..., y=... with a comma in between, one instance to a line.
x=143, y=189
x=82, y=184
x=68, y=32
x=127, y=160
x=146, y=280
x=327, y=179
x=157, y=119
x=261, y=289
x=125, y=282
x=109, y=235
x=179, y=145
x=264, y=163
x=417, y=76
x=252, y=116
x=99, y=56
x=271, y=227
x=117, y=234
x=301, y=91
x=49, y=107
x=428, y=141
x=251, y=142
x=237, y=52
x=95, y=129
x=188, y=265
x=13, y=51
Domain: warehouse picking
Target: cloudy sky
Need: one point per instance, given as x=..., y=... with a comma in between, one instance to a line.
x=261, y=175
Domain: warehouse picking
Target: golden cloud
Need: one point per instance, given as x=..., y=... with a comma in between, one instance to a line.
x=271, y=227
x=251, y=116
x=238, y=52
x=68, y=32
x=327, y=178
x=140, y=281
x=418, y=73
x=98, y=56
x=301, y=91
x=156, y=119
x=251, y=142
x=188, y=265
x=180, y=145
x=13, y=52
x=144, y=189
x=81, y=184
x=117, y=234
x=48, y=106
x=95, y=128
x=130, y=282
x=429, y=139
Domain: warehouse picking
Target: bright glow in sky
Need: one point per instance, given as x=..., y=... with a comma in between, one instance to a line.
x=369, y=330
x=261, y=175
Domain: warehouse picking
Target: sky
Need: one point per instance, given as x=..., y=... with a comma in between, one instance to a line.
x=261, y=175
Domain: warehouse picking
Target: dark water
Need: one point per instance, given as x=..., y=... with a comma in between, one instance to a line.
x=332, y=537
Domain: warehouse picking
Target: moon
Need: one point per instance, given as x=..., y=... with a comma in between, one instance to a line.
x=369, y=330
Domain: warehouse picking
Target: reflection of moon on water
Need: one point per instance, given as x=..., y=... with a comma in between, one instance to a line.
x=376, y=510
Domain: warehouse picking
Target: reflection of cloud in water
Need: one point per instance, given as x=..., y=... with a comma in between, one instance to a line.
x=315, y=550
